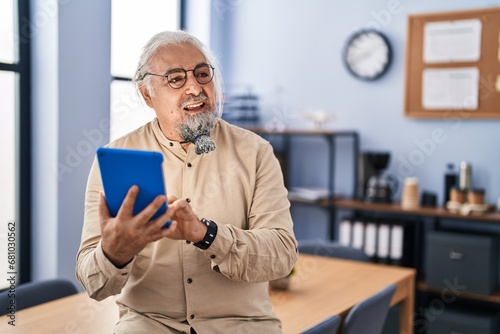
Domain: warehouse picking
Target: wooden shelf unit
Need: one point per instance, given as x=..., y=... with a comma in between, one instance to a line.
x=437, y=212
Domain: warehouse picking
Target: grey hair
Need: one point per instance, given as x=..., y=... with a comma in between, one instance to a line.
x=165, y=38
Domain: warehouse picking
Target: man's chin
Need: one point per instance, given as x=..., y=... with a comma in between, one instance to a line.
x=196, y=124
x=194, y=112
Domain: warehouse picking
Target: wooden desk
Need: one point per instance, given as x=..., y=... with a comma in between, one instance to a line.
x=325, y=286
x=321, y=287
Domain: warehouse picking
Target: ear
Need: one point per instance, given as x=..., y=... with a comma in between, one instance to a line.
x=146, y=96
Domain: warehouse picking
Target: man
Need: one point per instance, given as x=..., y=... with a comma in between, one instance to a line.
x=231, y=229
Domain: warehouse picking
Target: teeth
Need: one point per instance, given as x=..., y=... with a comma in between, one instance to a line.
x=192, y=106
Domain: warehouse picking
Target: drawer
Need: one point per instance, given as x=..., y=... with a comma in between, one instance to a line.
x=467, y=261
x=464, y=322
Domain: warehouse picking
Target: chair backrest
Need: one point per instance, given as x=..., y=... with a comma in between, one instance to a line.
x=33, y=293
x=327, y=326
x=332, y=249
x=369, y=315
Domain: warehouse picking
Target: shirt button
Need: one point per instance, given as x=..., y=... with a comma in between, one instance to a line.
x=171, y=144
x=212, y=256
x=191, y=316
x=188, y=200
x=190, y=280
x=189, y=164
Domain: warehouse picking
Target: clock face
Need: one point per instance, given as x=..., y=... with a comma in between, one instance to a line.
x=367, y=55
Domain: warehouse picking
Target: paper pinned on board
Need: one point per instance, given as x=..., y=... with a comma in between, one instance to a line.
x=452, y=41
x=452, y=88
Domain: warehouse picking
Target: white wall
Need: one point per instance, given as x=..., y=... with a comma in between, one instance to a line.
x=71, y=76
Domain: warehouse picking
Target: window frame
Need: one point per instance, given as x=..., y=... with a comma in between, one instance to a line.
x=23, y=143
x=182, y=24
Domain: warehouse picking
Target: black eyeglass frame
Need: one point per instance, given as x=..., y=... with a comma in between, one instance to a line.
x=176, y=70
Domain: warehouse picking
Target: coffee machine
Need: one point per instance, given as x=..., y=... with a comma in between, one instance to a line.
x=373, y=184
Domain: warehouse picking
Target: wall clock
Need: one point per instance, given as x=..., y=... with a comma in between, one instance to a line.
x=367, y=54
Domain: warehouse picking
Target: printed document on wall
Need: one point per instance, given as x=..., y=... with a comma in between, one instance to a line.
x=452, y=41
x=451, y=88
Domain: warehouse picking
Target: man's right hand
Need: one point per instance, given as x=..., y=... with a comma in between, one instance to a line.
x=126, y=235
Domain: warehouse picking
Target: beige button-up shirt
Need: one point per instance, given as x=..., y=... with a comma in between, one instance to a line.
x=171, y=285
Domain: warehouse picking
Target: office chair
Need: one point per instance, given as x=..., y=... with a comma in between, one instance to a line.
x=369, y=315
x=332, y=249
x=34, y=293
x=327, y=326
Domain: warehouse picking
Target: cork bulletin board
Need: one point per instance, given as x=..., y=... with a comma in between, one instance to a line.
x=453, y=65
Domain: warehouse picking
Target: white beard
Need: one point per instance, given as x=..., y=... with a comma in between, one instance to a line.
x=196, y=129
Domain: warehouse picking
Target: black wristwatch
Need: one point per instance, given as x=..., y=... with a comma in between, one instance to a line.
x=209, y=236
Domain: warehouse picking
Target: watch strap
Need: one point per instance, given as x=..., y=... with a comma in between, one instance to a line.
x=209, y=236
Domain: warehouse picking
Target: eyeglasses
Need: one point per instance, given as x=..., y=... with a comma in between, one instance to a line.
x=177, y=77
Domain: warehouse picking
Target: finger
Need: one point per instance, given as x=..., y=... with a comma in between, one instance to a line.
x=171, y=199
x=103, y=208
x=127, y=207
x=180, y=209
x=163, y=221
x=151, y=209
x=175, y=204
x=166, y=233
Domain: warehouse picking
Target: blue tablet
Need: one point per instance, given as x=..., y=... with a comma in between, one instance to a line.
x=123, y=168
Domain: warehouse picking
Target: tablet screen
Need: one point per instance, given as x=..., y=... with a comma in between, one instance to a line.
x=122, y=168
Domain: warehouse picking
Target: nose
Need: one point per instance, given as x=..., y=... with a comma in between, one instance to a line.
x=192, y=86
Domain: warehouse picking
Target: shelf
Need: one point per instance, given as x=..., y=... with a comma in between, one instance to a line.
x=493, y=298
x=421, y=211
x=323, y=202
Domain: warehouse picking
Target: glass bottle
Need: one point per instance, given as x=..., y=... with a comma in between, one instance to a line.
x=450, y=181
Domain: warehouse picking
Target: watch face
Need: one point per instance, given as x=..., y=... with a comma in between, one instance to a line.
x=367, y=55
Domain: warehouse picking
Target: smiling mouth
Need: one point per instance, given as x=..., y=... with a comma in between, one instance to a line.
x=194, y=107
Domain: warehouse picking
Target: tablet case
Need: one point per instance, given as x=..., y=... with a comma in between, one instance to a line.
x=123, y=168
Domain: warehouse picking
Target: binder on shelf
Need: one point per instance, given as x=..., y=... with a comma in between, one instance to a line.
x=389, y=241
x=345, y=231
x=397, y=239
x=371, y=239
x=383, y=241
x=358, y=231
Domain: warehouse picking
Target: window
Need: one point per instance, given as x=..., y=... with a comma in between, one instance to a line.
x=8, y=194
x=132, y=24
x=15, y=137
x=7, y=29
